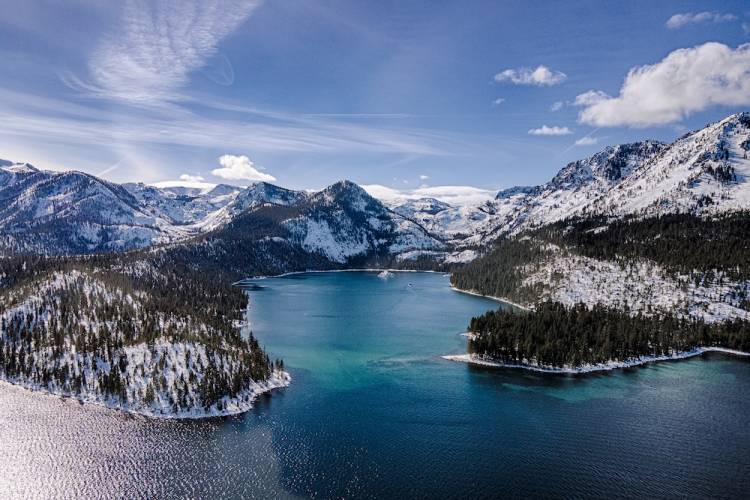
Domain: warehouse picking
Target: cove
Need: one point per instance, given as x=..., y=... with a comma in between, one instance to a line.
x=374, y=411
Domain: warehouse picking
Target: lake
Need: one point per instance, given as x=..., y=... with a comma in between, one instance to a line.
x=373, y=411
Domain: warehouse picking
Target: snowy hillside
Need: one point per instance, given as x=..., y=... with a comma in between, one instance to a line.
x=257, y=194
x=343, y=221
x=72, y=212
x=705, y=172
x=181, y=205
x=76, y=335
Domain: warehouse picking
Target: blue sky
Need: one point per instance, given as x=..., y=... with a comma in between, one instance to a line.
x=391, y=93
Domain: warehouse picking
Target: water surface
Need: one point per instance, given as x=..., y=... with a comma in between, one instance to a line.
x=374, y=411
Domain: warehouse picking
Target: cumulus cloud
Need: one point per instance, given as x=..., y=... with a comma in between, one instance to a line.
x=586, y=141
x=590, y=98
x=539, y=76
x=555, y=130
x=454, y=195
x=157, y=45
x=680, y=20
x=686, y=81
x=240, y=168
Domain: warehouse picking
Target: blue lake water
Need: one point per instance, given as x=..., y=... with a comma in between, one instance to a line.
x=373, y=411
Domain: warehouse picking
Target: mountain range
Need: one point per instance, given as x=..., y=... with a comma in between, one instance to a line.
x=704, y=173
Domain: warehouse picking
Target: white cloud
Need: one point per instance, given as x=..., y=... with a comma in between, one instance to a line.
x=680, y=20
x=191, y=178
x=557, y=106
x=590, y=98
x=539, y=76
x=423, y=177
x=555, y=130
x=498, y=101
x=158, y=45
x=187, y=181
x=686, y=81
x=240, y=168
x=454, y=195
x=586, y=141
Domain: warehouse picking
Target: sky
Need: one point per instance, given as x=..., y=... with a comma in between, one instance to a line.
x=411, y=98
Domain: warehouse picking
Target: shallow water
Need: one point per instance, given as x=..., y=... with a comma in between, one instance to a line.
x=374, y=411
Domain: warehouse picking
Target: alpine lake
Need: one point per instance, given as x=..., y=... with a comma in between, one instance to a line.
x=374, y=411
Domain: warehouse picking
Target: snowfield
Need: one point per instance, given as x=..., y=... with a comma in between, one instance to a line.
x=640, y=286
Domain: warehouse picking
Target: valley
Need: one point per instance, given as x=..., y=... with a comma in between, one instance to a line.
x=80, y=250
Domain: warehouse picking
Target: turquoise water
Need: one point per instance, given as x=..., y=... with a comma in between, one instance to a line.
x=373, y=411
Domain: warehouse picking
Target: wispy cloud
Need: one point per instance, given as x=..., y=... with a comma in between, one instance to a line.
x=684, y=82
x=498, y=101
x=539, y=76
x=251, y=129
x=554, y=130
x=678, y=21
x=557, y=106
x=586, y=141
x=158, y=44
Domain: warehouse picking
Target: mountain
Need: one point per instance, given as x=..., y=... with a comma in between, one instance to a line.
x=255, y=195
x=72, y=212
x=183, y=205
x=343, y=221
x=703, y=173
x=706, y=172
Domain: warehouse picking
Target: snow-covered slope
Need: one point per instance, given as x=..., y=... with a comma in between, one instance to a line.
x=181, y=205
x=75, y=335
x=705, y=172
x=255, y=195
x=343, y=221
x=72, y=212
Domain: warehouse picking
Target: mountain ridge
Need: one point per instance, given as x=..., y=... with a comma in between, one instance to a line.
x=703, y=172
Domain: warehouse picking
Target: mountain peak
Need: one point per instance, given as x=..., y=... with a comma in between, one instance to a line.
x=346, y=190
x=18, y=168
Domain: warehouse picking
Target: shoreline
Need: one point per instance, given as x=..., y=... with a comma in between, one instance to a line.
x=353, y=270
x=491, y=297
x=242, y=404
x=474, y=359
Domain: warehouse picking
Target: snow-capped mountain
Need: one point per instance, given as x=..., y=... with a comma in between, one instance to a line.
x=183, y=205
x=72, y=212
x=343, y=221
x=704, y=172
x=253, y=196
